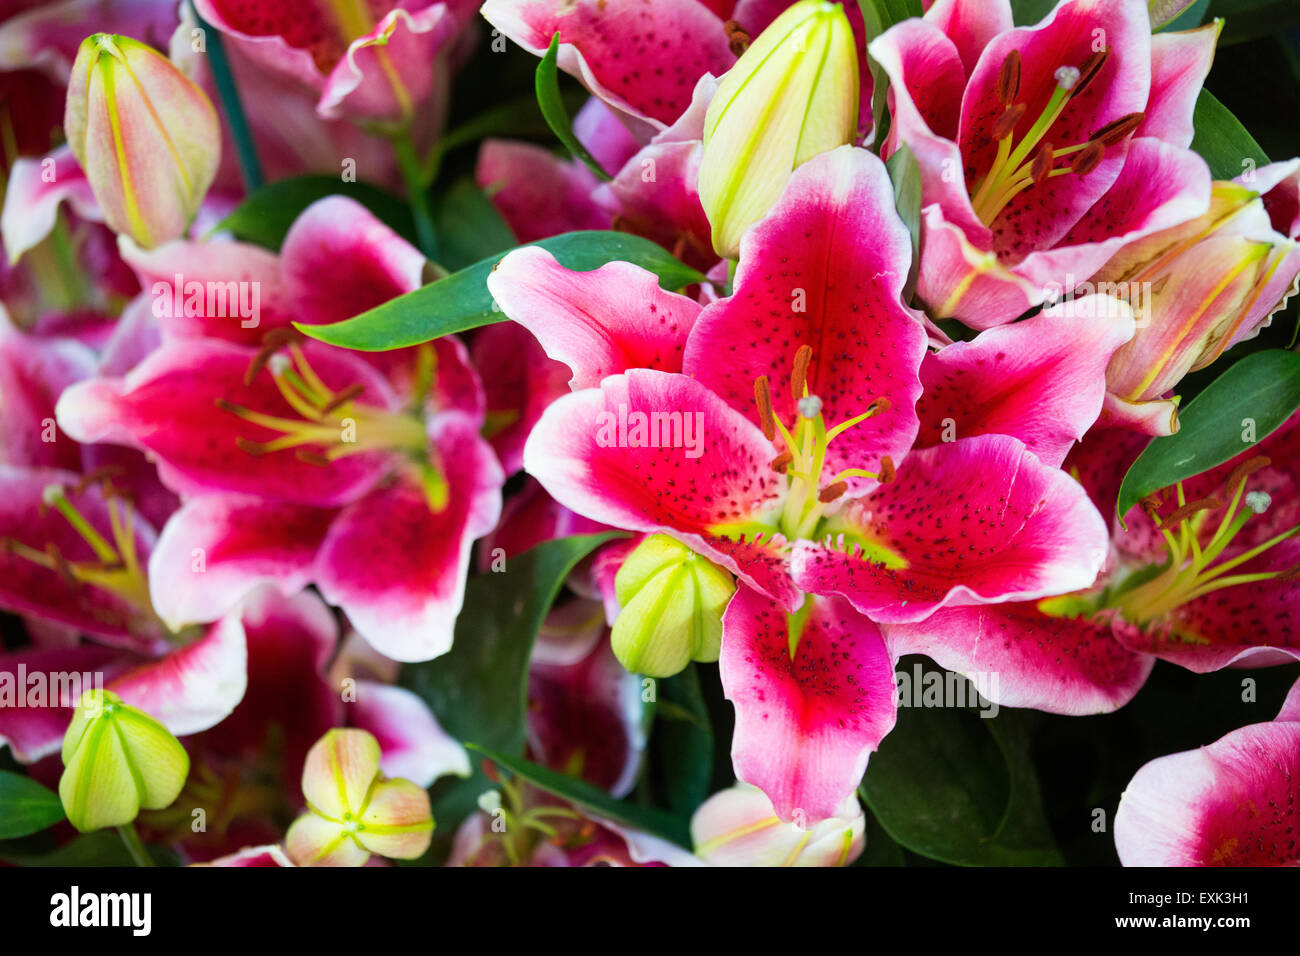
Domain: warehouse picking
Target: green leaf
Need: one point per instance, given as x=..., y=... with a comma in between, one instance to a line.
x=26, y=807
x=469, y=226
x=1221, y=140
x=1251, y=19
x=905, y=174
x=1027, y=13
x=519, y=118
x=682, y=743
x=479, y=689
x=650, y=820
x=264, y=218
x=557, y=116
x=461, y=301
x=1263, y=387
x=99, y=849
x=956, y=787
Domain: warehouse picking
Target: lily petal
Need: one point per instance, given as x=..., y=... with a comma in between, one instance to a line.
x=805, y=725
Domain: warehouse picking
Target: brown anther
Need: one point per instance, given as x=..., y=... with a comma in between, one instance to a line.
x=1290, y=574
x=763, y=399
x=1042, y=165
x=1006, y=123
x=886, y=470
x=271, y=344
x=1088, y=71
x=1180, y=515
x=737, y=37
x=1151, y=506
x=878, y=406
x=1244, y=471
x=1112, y=134
x=343, y=397
x=251, y=447
x=103, y=475
x=1088, y=158
x=312, y=458
x=831, y=492
x=799, y=377
x=781, y=461
x=60, y=563
x=490, y=770
x=1008, y=86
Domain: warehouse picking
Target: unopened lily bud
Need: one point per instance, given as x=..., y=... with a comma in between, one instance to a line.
x=739, y=827
x=672, y=602
x=117, y=761
x=352, y=810
x=791, y=96
x=147, y=137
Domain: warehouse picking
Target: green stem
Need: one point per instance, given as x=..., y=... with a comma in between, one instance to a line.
x=249, y=165
x=417, y=196
x=134, y=845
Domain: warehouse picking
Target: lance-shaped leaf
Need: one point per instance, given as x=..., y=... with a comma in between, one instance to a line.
x=1244, y=405
x=461, y=301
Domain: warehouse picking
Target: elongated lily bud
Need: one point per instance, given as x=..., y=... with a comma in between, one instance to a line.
x=791, y=96
x=672, y=602
x=146, y=135
x=117, y=761
x=739, y=827
x=352, y=810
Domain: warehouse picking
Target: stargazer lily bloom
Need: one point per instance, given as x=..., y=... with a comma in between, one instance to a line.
x=772, y=432
x=1235, y=802
x=380, y=64
x=304, y=463
x=1203, y=287
x=1222, y=558
x=1042, y=150
x=1204, y=577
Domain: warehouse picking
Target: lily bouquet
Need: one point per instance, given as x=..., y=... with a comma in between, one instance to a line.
x=602, y=432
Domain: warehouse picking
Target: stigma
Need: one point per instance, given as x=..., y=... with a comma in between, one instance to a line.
x=805, y=442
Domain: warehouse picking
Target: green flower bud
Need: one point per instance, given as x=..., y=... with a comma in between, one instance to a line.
x=353, y=810
x=117, y=761
x=791, y=96
x=672, y=602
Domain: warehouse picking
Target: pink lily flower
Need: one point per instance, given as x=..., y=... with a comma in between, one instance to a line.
x=1231, y=599
x=74, y=554
x=1087, y=100
x=46, y=37
x=833, y=524
x=1203, y=287
x=1227, y=600
x=302, y=681
x=1231, y=803
x=303, y=462
x=737, y=827
x=367, y=62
